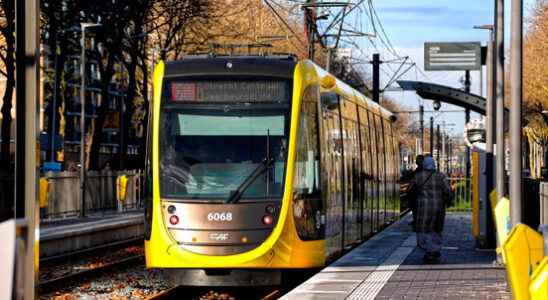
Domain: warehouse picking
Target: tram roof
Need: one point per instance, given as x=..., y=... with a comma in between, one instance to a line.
x=205, y=65
x=278, y=66
x=347, y=89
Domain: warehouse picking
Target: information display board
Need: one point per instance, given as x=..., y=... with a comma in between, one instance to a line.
x=452, y=56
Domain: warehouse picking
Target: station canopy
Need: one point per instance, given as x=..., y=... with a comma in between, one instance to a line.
x=432, y=91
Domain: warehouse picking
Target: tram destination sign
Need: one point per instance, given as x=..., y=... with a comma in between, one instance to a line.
x=240, y=90
x=452, y=56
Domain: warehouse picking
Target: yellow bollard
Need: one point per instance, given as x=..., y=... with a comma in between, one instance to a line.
x=501, y=215
x=523, y=250
x=538, y=288
x=121, y=188
x=44, y=185
x=474, y=186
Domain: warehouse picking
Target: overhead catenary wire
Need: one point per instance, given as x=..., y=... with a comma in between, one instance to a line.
x=342, y=29
x=267, y=2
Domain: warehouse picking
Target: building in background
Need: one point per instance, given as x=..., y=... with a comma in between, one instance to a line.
x=67, y=144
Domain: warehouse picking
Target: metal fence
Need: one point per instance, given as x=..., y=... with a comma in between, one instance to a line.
x=543, y=198
x=63, y=194
x=461, y=196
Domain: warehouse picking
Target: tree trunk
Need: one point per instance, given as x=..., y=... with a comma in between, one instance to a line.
x=146, y=106
x=95, y=141
x=8, y=96
x=130, y=108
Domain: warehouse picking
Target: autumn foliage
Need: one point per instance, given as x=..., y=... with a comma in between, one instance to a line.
x=535, y=72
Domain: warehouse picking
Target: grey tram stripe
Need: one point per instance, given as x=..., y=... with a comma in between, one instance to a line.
x=374, y=283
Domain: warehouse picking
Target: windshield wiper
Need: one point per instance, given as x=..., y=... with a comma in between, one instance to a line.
x=237, y=194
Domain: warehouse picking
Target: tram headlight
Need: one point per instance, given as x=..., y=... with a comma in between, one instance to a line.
x=270, y=209
x=171, y=209
x=267, y=219
x=174, y=220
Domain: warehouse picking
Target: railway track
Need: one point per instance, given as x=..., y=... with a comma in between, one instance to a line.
x=91, y=250
x=59, y=272
x=218, y=293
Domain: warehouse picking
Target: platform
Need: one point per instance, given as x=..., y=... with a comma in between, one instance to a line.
x=66, y=236
x=389, y=266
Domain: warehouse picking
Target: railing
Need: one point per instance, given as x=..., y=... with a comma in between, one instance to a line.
x=461, y=196
x=63, y=195
x=543, y=199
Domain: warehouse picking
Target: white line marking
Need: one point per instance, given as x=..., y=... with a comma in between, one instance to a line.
x=332, y=280
x=374, y=283
x=317, y=292
x=452, y=248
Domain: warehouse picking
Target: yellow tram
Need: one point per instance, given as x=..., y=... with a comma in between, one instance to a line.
x=261, y=164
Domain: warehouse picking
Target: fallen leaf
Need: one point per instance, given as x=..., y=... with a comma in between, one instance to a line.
x=64, y=297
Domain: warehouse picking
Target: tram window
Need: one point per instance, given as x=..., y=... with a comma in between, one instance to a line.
x=308, y=209
x=306, y=163
x=207, y=125
x=208, y=153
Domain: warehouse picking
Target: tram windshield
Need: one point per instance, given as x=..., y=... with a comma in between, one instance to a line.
x=208, y=152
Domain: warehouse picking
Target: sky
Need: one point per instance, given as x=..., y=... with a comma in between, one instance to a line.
x=409, y=24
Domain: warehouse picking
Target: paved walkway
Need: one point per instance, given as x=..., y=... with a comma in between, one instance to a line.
x=389, y=266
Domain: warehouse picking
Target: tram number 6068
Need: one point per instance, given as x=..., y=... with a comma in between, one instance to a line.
x=219, y=216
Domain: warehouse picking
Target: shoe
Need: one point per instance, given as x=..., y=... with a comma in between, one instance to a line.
x=431, y=258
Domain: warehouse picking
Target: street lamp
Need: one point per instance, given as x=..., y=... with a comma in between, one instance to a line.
x=83, y=27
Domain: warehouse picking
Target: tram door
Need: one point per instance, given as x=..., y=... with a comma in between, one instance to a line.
x=381, y=171
x=331, y=169
x=351, y=171
x=365, y=175
x=374, y=172
x=391, y=173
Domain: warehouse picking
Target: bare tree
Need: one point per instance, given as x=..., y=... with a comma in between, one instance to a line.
x=115, y=18
x=7, y=58
x=172, y=21
x=134, y=55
